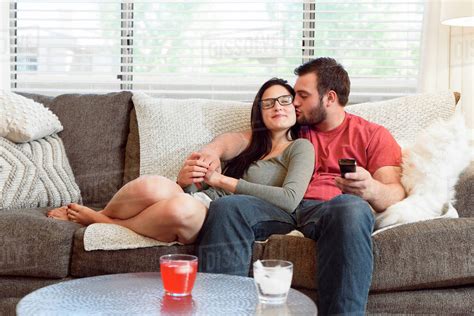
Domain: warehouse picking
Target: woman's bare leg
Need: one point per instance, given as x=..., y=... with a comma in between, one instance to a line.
x=132, y=198
x=177, y=219
x=187, y=215
x=139, y=194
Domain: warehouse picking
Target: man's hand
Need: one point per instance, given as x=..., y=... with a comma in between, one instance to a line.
x=212, y=160
x=225, y=146
x=359, y=183
x=193, y=171
x=381, y=190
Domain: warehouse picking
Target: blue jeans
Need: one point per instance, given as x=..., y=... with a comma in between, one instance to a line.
x=342, y=228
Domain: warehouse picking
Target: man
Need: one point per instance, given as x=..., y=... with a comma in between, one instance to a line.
x=336, y=212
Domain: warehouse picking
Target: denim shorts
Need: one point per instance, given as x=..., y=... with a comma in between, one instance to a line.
x=202, y=197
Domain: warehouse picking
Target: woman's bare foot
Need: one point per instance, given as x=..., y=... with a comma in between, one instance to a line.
x=59, y=213
x=85, y=216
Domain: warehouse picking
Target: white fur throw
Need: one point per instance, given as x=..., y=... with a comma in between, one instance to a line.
x=170, y=129
x=431, y=168
x=115, y=237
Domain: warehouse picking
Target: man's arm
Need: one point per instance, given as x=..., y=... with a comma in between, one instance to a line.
x=228, y=145
x=381, y=190
x=225, y=146
x=388, y=190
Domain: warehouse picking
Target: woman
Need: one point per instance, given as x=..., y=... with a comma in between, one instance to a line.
x=274, y=167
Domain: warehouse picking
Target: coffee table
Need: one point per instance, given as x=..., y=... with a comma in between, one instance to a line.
x=143, y=294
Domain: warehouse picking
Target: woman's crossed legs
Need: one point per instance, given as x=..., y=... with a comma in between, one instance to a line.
x=152, y=206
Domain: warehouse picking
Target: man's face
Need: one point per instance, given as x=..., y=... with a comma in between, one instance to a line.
x=308, y=102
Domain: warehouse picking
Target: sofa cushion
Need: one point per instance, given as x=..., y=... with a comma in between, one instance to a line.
x=132, y=151
x=98, y=262
x=21, y=286
x=95, y=135
x=430, y=254
x=465, y=193
x=35, y=245
x=442, y=301
x=8, y=306
x=449, y=301
x=300, y=251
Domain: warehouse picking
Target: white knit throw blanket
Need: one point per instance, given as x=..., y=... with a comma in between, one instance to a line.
x=116, y=237
x=170, y=129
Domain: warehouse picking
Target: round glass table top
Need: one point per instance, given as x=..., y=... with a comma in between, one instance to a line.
x=143, y=294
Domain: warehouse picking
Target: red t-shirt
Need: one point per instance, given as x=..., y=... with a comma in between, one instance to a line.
x=371, y=145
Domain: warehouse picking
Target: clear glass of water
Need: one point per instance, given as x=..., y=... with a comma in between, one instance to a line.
x=273, y=280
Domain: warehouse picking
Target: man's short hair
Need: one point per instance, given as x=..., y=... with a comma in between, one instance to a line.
x=330, y=76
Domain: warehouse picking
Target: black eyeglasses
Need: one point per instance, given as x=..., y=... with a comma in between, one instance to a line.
x=284, y=100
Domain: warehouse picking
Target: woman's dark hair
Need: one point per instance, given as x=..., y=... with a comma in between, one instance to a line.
x=261, y=143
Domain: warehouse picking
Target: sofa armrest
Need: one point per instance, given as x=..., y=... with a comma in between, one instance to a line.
x=465, y=192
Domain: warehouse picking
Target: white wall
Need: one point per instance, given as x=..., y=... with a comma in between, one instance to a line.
x=447, y=59
x=461, y=70
x=4, y=49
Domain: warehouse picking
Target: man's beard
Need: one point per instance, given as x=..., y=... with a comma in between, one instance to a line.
x=316, y=116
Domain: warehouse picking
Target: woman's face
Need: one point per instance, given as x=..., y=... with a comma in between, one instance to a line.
x=279, y=117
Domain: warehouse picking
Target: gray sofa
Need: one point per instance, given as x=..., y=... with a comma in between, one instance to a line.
x=425, y=267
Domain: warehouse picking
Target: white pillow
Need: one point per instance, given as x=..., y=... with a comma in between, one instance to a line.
x=431, y=168
x=23, y=120
x=36, y=174
x=170, y=129
x=406, y=117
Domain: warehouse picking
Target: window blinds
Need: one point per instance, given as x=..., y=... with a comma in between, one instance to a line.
x=211, y=49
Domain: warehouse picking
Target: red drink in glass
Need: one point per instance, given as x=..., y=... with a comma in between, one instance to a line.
x=178, y=273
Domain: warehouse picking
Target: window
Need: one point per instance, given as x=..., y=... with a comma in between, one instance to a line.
x=377, y=41
x=211, y=49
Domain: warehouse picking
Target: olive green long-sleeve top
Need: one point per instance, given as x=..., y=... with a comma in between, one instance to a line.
x=281, y=180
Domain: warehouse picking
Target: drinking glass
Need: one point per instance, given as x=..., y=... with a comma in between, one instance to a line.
x=273, y=280
x=178, y=273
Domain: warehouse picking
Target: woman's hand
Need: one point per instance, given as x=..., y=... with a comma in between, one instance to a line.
x=218, y=180
x=213, y=178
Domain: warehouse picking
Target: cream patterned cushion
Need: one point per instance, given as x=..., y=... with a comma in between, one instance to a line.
x=23, y=120
x=36, y=174
x=170, y=129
